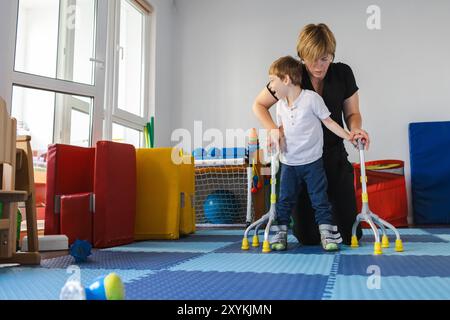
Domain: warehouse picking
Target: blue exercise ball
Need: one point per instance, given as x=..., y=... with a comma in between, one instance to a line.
x=221, y=207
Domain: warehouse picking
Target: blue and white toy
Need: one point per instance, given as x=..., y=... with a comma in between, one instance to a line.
x=109, y=287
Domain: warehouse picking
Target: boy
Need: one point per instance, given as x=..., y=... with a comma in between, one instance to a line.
x=300, y=113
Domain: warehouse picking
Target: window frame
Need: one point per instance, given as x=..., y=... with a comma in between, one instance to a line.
x=103, y=91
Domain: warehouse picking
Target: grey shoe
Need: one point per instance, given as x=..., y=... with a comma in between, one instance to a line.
x=279, y=240
x=329, y=237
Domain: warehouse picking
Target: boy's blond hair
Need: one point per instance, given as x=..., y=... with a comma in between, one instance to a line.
x=315, y=41
x=287, y=66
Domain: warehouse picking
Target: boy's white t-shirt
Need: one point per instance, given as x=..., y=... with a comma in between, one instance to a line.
x=302, y=128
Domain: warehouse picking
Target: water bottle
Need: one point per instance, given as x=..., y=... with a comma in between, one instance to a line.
x=72, y=290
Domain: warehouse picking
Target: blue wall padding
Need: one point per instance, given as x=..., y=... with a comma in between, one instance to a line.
x=429, y=148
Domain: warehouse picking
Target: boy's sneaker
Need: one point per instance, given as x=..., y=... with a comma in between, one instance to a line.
x=279, y=240
x=329, y=237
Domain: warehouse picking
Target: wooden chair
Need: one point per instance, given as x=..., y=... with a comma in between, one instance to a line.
x=10, y=195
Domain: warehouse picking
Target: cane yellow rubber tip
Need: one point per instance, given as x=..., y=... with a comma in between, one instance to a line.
x=385, y=241
x=365, y=197
x=273, y=198
x=245, y=245
x=398, y=245
x=377, y=248
x=255, y=242
x=266, y=246
x=354, y=243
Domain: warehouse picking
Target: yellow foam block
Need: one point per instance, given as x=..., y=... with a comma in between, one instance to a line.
x=187, y=193
x=158, y=195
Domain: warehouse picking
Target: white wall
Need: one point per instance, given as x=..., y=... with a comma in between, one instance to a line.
x=402, y=70
x=164, y=57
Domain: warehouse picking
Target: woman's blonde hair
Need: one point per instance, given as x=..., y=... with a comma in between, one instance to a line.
x=315, y=41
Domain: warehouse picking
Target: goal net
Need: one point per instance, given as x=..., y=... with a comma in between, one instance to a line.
x=221, y=193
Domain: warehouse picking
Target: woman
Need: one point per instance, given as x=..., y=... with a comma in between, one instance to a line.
x=336, y=84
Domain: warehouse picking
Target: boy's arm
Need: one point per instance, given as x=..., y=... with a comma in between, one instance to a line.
x=322, y=112
x=336, y=129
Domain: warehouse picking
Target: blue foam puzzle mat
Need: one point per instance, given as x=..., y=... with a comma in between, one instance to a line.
x=219, y=269
x=423, y=266
x=213, y=285
x=123, y=260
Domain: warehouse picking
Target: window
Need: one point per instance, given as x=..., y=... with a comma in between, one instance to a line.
x=132, y=56
x=131, y=59
x=64, y=89
x=79, y=129
x=56, y=39
x=37, y=32
x=126, y=135
x=35, y=109
x=42, y=115
x=58, y=78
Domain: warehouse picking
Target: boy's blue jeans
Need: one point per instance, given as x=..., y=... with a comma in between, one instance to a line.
x=292, y=178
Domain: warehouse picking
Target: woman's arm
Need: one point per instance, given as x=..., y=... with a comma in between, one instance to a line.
x=353, y=119
x=263, y=102
x=337, y=129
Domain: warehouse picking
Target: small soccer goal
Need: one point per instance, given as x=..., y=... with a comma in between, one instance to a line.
x=222, y=193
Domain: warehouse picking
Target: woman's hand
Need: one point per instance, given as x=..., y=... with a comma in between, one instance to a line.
x=360, y=134
x=350, y=138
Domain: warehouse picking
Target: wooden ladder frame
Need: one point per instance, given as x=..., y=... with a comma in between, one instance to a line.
x=16, y=151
